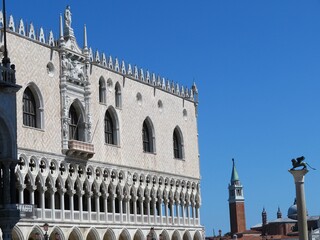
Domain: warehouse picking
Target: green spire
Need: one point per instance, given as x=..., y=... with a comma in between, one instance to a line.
x=234, y=175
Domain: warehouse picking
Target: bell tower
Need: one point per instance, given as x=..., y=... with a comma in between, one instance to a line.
x=236, y=203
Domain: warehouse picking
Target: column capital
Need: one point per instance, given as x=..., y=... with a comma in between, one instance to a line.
x=298, y=175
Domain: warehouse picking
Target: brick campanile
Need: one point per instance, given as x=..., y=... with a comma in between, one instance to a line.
x=236, y=203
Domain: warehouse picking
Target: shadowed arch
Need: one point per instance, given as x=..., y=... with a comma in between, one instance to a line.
x=109, y=235
x=75, y=234
x=125, y=235
x=16, y=233
x=186, y=235
x=197, y=236
x=35, y=230
x=57, y=231
x=111, y=127
x=178, y=145
x=148, y=136
x=76, y=126
x=138, y=235
x=102, y=90
x=176, y=235
x=164, y=235
x=93, y=234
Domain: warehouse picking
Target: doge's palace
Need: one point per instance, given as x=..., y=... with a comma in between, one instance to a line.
x=106, y=150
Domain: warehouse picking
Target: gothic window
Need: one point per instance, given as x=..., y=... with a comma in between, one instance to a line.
x=32, y=107
x=108, y=128
x=102, y=90
x=148, y=139
x=73, y=125
x=177, y=144
x=29, y=109
x=111, y=128
x=118, y=95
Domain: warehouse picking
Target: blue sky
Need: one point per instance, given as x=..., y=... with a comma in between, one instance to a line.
x=257, y=68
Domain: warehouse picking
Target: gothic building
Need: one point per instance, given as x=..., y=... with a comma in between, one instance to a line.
x=104, y=149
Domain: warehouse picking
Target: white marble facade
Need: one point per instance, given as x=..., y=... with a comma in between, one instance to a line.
x=88, y=182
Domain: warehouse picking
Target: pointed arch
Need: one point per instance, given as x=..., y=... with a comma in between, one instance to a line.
x=109, y=235
x=139, y=235
x=36, y=230
x=17, y=233
x=176, y=235
x=57, y=233
x=75, y=234
x=32, y=107
x=102, y=90
x=118, y=98
x=111, y=127
x=148, y=136
x=186, y=235
x=197, y=236
x=93, y=234
x=178, y=145
x=164, y=235
x=124, y=235
x=76, y=126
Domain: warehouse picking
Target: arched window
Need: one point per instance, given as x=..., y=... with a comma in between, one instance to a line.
x=32, y=107
x=117, y=95
x=148, y=137
x=73, y=125
x=102, y=90
x=177, y=144
x=29, y=109
x=111, y=128
x=108, y=128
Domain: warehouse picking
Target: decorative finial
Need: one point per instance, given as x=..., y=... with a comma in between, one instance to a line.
x=85, y=42
x=61, y=28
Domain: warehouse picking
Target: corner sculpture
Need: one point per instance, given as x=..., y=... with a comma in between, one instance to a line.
x=298, y=162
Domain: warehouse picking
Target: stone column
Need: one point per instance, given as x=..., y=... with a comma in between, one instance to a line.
x=298, y=176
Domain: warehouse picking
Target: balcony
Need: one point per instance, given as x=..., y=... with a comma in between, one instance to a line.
x=80, y=149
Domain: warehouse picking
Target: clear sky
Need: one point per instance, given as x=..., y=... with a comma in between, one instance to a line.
x=257, y=68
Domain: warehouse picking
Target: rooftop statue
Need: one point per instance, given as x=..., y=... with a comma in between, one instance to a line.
x=67, y=16
x=299, y=162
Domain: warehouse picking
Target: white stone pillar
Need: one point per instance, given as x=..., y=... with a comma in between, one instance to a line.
x=166, y=211
x=298, y=176
x=113, y=196
x=128, y=208
x=62, y=191
x=97, y=198
x=80, y=206
x=21, y=189
x=178, y=212
x=141, y=208
x=105, y=202
x=120, y=208
x=32, y=189
x=89, y=205
x=53, y=210
x=43, y=202
x=154, y=205
x=135, y=209
x=148, y=208
x=160, y=209
x=71, y=205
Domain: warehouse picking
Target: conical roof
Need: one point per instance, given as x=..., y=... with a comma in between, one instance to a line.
x=234, y=174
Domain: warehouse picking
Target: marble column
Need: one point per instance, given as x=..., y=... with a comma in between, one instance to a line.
x=298, y=176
